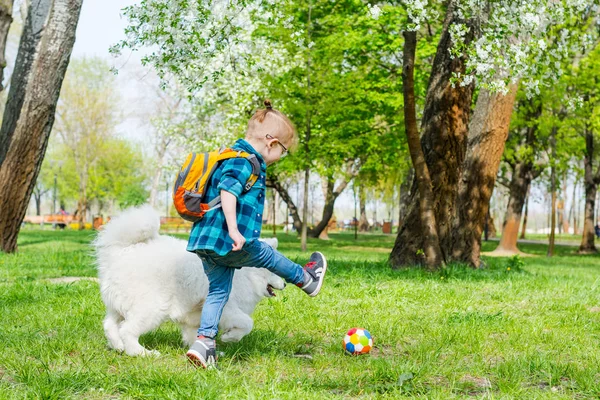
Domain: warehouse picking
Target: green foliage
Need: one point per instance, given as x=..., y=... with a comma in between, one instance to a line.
x=120, y=174
x=354, y=102
x=584, y=84
x=568, y=108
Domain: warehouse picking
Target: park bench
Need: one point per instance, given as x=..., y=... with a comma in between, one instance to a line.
x=57, y=219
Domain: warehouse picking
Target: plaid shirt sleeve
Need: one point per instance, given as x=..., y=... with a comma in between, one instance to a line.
x=235, y=174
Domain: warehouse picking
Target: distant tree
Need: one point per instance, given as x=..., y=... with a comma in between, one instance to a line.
x=24, y=138
x=86, y=119
x=38, y=191
x=118, y=175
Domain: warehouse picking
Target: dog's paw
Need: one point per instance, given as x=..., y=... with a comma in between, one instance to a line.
x=120, y=347
x=150, y=353
x=234, y=335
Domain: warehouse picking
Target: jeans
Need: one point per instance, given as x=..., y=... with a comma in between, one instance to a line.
x=220, y=269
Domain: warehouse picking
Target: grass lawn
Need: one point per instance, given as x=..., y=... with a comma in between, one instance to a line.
x=520, y=328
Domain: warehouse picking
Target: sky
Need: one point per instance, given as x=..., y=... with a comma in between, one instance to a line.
x=100, y=26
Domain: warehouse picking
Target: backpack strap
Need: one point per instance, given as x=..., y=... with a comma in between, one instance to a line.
x=255, y=171
x=226, y=154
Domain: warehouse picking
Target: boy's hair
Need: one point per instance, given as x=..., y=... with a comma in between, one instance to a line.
x=273, y=122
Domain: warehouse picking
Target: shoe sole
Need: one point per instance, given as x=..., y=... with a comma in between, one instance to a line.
x=196, y=359
x=318, y=289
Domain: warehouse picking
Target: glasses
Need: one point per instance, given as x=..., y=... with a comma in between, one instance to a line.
x=284, y=150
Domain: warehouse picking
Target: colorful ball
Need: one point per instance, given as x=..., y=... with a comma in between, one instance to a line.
x=358, y=341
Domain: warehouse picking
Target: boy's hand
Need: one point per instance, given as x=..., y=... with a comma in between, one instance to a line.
x=228, y=202
x=238, y=240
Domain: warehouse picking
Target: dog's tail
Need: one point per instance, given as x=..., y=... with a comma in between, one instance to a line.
x=134, y=225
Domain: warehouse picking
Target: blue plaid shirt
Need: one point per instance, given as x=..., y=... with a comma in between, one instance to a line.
x=211, y=233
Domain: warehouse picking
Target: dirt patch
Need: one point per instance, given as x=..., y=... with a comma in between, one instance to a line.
x=71, y=279
x=481, y=383
x=594, y=309
x=505, y=253
x=387, y=351
x=5, y=377
x=437, y=381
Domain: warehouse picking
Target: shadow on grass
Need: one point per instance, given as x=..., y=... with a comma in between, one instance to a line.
x=35, y=237
x=379, y=271
x=168, y=335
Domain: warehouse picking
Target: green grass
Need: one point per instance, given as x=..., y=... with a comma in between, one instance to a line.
x=529, y=332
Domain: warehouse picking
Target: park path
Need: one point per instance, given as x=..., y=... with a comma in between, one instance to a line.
x=530, y=241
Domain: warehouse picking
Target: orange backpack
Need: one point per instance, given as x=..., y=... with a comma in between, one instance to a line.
x=192, y=181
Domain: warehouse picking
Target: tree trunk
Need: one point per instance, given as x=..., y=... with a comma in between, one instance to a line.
x=431, y=250
x=30, y=40
x=590, y=182
x=550, y=252
x=38, y=202
x=273, y=211
x=406, y=194
x=564, y=198
x=304, y=238
x=6, y=7
x=573, y=209
x=588, y=237
x=82, y=202
x=491, y=226
x=520, y=181
x=275, y=207
x=488, y=131
x=331, y=196
x=522, y=174
x=23, y=161
x=525, y=214
x=285, y=196
x=444, y=144
x=363, y=222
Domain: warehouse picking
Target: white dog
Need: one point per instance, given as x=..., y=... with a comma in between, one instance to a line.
x=146, y=279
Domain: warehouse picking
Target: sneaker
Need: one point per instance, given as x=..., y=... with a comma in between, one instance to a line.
x=203, y=352
x=314, y=273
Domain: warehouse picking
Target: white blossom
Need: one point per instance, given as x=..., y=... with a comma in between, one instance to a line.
x=374, y=11
x=521, y=40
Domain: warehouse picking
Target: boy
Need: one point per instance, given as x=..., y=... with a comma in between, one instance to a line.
x=226, y=238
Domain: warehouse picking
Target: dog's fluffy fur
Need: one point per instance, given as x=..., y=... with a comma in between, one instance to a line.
x=146, y=279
